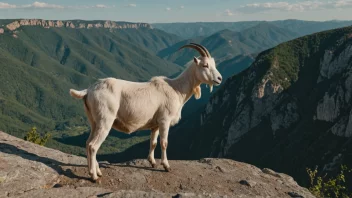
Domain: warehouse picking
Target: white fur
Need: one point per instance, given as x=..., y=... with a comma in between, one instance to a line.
x=131, y=106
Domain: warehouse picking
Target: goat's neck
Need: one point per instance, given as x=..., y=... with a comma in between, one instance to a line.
x=185, y=83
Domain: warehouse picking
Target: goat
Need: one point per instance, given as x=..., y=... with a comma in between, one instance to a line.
x=154, y=105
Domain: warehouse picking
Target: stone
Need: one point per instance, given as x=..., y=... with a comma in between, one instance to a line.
x=248, y=183
x=271, y=172
x=295, y=195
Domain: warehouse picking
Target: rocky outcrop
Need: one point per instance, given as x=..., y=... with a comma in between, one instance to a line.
x=30, y=170
x=75, y=24
x=13, y=26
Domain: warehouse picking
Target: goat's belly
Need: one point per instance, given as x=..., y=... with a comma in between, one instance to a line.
x=128, y=128
x=131, y=118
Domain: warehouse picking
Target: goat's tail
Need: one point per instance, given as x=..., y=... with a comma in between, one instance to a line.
x=78, y=94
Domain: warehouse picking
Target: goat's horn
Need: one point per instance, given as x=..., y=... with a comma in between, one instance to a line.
x=196, y=47
x=204, y=49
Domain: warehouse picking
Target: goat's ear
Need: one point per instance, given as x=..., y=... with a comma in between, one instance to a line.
x=197, y=92
x=196, y=60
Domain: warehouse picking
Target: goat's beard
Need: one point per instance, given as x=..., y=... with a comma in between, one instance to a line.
x=210, y=87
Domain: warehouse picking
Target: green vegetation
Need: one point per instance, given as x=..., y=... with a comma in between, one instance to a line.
x=329, y=187
x=35, y=137
x=286, y=60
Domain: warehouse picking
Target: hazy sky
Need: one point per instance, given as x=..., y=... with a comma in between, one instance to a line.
x=178, y=10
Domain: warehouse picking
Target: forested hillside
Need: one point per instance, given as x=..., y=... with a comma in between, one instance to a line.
x=227, y=44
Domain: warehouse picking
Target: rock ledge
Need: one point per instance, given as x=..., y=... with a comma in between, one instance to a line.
x=29, y=170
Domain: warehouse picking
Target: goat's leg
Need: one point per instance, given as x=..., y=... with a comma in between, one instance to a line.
x=87, y=146
x=88, y=157
x=153, y=142
x=102, y=130
x=99, y=173
x=92, y=130
x=88, y=153
x=164, y=132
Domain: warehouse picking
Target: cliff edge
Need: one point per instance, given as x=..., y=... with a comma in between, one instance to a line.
x=30, y=170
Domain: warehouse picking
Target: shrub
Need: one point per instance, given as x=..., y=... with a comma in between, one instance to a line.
x=329, y=187
x=35, y=137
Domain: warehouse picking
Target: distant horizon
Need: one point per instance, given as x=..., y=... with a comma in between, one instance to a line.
x=289, y=19
x=180, y=11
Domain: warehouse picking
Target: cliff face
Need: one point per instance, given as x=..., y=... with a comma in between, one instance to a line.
x=30, y=170
x=290, y=110
x=75, y=24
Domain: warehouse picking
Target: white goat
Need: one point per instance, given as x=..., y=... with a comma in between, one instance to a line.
x=131, y=106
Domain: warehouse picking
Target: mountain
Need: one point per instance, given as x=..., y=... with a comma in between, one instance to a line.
x=204, y=29
x=235, y=65
x=290, y=110
x=227, y=44
x=40, y=63
x=309, y=27
x=151, y=39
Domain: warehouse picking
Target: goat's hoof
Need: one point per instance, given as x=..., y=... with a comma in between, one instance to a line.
x=153, y=164
x=167, y=168
x=98, y=181
x=99, y=174
x=95, y=178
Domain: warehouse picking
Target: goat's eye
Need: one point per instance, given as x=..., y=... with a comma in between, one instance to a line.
x=207, y=66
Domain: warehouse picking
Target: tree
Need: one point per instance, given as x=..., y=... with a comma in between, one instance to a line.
x=35, y=137
x=329, y=187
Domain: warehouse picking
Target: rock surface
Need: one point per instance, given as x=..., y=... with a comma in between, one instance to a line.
x=30, y=170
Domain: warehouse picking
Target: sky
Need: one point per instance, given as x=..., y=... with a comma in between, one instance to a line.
x=164, y=11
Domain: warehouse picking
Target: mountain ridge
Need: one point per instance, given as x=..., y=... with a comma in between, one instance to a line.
x=195, y=29
x=226, y=44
